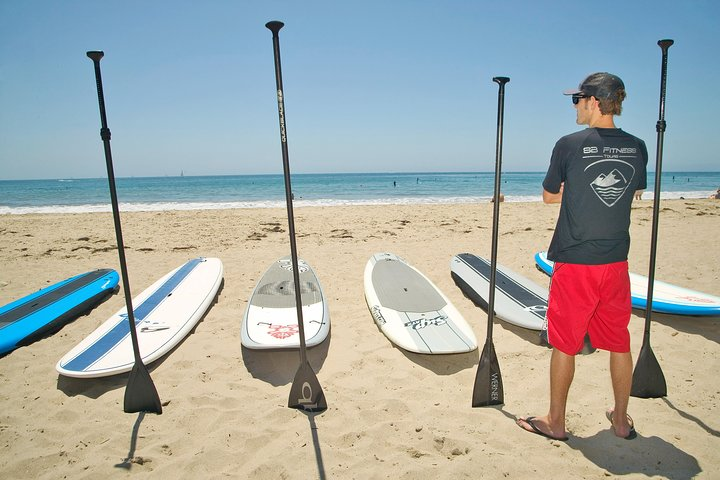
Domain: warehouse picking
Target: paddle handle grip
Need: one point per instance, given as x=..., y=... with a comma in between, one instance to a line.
x=664, y=46
x=96, y=56
x=501, y=80
x=275, y=26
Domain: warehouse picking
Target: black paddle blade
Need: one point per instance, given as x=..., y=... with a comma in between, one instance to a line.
x=648, y=380
x=140, y=393
x=488, y=381
x=306, y=392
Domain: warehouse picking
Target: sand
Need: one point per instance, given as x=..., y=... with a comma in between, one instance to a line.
x=392, y=414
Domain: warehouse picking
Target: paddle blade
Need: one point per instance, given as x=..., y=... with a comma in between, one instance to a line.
x=306, y=392
x=488, y=381
x=140, y=393
x=648, y=380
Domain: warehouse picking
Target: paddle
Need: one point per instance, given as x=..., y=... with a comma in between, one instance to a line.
x=648, y=380
x=305, y=392
x=488, y=388
x=140, y=393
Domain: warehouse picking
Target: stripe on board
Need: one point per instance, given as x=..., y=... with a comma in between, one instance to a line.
x=117, y=334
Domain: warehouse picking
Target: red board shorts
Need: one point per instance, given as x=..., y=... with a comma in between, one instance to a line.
x=593, y=299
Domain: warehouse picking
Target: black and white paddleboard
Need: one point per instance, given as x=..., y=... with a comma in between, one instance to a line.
x=518, y=300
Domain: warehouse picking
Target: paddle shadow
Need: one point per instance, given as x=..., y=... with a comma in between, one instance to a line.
x=705, y=326
x=96, y=387
x=692, y=418
x=128, y=461
x=278, y=366
x=443, y=364
x=316, y=443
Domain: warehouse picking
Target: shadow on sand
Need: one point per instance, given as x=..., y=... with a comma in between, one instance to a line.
x=278, y=367
x=128, y=461
x=707, y=327
x=649, y=456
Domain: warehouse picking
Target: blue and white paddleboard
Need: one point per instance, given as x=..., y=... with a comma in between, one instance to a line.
x=33, y=316
x=164, y=314
x=667, y=298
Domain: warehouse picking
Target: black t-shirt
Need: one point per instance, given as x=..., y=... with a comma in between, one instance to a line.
x=601, y=169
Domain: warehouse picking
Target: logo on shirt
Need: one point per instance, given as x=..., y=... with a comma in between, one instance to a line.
x=612, y=180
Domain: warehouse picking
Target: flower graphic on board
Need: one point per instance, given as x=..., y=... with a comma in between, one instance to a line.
x=282, y=331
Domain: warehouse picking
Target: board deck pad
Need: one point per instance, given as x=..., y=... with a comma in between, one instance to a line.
x=667, y=298
x=518, y=300
x=411, y=311
x=47, y=310
x=164, y=314
x=271, y=319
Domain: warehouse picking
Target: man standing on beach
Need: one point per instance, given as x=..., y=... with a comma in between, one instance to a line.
x=594, y=174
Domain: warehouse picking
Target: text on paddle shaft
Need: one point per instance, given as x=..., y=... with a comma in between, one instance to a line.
x=281, y=111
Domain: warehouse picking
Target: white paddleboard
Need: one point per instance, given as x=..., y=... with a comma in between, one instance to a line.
x=518, y=300
x=411, y=311
x=271, y=319
x=164, y=314
x=667, y=298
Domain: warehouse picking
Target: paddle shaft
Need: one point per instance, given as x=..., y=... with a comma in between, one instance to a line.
x=660, y=127
x=105, y=135
x=501, y=81
x=275, y=27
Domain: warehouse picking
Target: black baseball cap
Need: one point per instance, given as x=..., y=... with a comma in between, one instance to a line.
x=598, y=85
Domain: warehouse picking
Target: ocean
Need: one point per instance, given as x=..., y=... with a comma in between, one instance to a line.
x=263, y=191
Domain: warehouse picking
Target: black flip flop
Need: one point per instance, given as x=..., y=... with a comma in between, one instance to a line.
x=536, y=430
x=632, y=434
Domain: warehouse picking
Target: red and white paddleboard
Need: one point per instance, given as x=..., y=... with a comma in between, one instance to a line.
x=271, y=319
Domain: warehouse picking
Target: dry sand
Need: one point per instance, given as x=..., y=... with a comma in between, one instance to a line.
x=391, y=414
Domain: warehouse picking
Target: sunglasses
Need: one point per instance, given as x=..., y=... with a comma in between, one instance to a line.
x=576, y=98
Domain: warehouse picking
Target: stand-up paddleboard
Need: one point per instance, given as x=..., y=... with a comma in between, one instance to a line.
x=271, y=319
x=33, y=316
x=164, y=314
x=667, y=298
x=411, y=311
x=517, y=300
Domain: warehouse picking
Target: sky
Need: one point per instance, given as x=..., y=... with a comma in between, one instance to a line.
x=369, y=86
